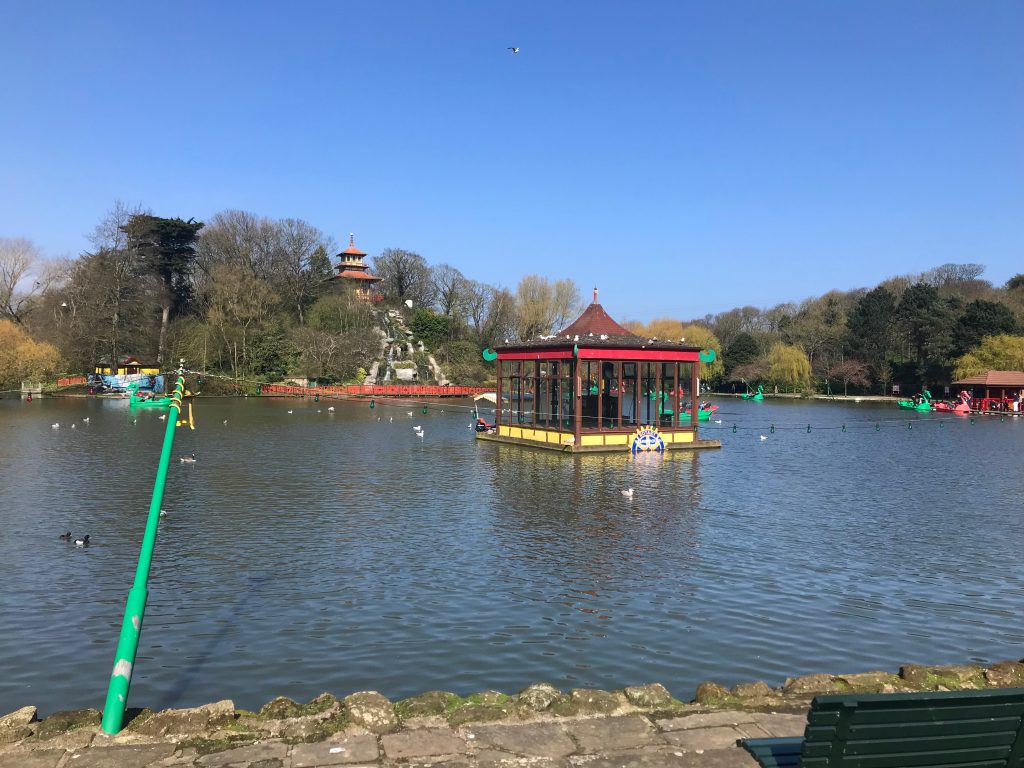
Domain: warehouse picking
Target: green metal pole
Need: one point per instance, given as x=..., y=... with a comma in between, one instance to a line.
x=131, y=627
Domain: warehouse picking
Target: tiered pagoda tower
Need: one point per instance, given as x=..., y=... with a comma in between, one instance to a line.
x=352, y=267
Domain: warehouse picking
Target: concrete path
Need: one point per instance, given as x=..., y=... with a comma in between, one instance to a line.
x=630, y=741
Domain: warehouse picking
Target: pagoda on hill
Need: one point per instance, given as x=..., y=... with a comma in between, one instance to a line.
x=595, y=386
x=351, y=267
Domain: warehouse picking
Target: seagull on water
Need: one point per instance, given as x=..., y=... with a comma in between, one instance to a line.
x=162, y=416
x=291, y=411
x=628, y=493
x=73, y=425
x=409, y=414
x=764, y=437
x=55, y=426
x=86, y=419
x=331, y=409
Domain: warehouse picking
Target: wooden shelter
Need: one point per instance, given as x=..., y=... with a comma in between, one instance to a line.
x=594, y=386
x=995, y=390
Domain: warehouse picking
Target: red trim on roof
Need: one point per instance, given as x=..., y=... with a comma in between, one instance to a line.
x=358, y=275
x=550, y=354
x=665, y=355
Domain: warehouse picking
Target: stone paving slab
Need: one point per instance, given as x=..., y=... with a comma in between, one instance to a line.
x=493, y=758
x=603, y=734
x=121, y=756
x=357, y=749
x=251, y=754
x=423, y=742
x=716, y=737
x=780, y=724
x=531, y=739
x=36, y=758
x=715, y=758
x=706, y=720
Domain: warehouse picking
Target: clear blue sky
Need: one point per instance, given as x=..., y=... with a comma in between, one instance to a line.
x=775, y=150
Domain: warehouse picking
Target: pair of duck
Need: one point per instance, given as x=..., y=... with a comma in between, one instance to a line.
x=81, y=542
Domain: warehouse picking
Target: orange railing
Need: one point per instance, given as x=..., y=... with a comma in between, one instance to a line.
x=375, y=390
x=70, y=381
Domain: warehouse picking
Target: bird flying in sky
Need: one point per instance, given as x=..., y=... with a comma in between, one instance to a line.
x=514, y=50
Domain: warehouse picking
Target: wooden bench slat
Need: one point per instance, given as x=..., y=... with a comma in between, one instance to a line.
x=775, y=753
x=931, y=759
x=929, y=714
x=937, y=728
x=951, y=743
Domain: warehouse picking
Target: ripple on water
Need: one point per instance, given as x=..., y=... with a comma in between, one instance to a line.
x=309, y=552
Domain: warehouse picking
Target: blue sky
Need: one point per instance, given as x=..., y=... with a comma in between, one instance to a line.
x=684, y=157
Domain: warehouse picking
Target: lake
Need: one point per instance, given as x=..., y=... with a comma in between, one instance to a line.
x=312, y=551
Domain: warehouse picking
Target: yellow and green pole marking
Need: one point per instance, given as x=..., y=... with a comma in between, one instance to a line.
x=131, y=627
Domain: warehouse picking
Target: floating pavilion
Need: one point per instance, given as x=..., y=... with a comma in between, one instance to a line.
x=596, y=387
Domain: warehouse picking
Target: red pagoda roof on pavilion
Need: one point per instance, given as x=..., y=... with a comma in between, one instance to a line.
x=594, y=321
x=595, y=329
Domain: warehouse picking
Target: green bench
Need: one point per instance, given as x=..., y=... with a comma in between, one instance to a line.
x=955, y=729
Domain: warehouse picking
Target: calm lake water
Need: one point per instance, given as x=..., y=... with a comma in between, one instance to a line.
x=311, y=551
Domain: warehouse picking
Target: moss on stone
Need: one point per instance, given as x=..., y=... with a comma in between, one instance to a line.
x=62, y=722
x=488, y=698
x=426, y=704
x=477, y=713
x=318, y=730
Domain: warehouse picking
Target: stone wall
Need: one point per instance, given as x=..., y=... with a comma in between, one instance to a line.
x=220, y=726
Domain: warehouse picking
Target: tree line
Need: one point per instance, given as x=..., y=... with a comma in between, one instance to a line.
x=249, y=297
x=252, y=298
x=918, y=331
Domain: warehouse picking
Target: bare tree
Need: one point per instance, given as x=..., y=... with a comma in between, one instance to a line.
x=501, y=319
x=239, y=239
x=949, y=274
x=300, y=254
x=543, y=306
x=109, y=285
x=478, y=300
x=450, y=289
x=405, y=275
x=24, y=277
x=240, y=304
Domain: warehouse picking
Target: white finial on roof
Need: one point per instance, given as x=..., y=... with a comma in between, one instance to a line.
x=595, y=294
x=351, y=238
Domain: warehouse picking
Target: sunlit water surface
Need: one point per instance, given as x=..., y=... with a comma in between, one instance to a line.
x=312, y=551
